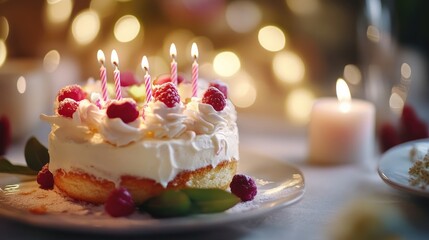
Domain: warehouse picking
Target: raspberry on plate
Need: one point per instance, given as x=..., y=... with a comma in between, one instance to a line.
x=74, y=92
x=243, y=187
x=166, y=93
x=214, y=97
x=45, y=178
x=125, y=109
x=67, y=107
x=119, y=203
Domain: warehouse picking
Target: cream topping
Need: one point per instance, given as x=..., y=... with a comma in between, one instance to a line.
x=118, y=133
x=163, y=121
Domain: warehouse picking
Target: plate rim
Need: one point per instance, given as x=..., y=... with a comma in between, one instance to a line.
x=171, y=225
x=395, y=184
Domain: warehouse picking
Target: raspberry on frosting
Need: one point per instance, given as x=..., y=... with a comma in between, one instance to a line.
x=67, y=107
x=214, y=97
x=74, y=92
x=221, y=86
x=125, y=109
x=167, y=93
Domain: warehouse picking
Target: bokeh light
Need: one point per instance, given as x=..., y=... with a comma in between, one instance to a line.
x=288, y=67
x=396, y=103
x=373, y=34
x=298, y=105
x=4, y=28
x=226, y=64
x=3, y=52
x=59, y=11
x=352, y=74
x=303, y=7
x=85, y=27
x=51, y=61
x=126, y=28
x=242, y=91
x=405, y=70
x=21, y=84
x=243, y=16
x=272, y=38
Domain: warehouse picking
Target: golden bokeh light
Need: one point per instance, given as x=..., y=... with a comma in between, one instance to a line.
x=373, y=34
x=303, y=7
x=396, y=103
x=226, y=64
x=243, y=16
x=242, y=91
x=85, y=27
x=103, y=7
x=406, y=70
x=51, y=61
x=59, y=11
x=21, y=85
x=272, y=38
x=126, y=28
x=288, y=67
x=4, y=28
x=352, y=74
x=3, y=52
x=298, y=105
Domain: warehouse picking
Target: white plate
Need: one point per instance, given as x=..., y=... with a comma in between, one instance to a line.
x=393, y=168
x=279, y=185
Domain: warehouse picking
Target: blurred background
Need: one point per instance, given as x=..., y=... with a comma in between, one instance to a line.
x=277, y=56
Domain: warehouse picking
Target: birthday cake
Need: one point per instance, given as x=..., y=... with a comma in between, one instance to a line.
x=169, y=142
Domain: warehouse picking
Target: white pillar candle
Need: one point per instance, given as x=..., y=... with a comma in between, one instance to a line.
x=341, y=130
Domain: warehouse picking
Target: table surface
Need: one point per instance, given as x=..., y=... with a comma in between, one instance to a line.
x=348, y=198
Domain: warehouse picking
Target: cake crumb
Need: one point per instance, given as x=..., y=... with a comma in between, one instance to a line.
x=419, y=173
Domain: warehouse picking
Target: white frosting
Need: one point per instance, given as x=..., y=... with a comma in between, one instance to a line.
x=160, y=160
x=118, y=133
x=163, y=121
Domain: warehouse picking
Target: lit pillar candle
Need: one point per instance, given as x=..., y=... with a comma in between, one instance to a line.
x=103, y=76
x=341, y=130
x=116, y=74
x=173, y=54
x=147, y=79
x=194, y=53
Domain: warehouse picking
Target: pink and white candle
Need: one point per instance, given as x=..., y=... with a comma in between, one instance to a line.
x=116, y=74
x=194, y=53
x=173, y=54
x=147, y=79
x=103, y=75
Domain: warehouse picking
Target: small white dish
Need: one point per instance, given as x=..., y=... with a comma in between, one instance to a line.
x=394, y=165
x=279, y=185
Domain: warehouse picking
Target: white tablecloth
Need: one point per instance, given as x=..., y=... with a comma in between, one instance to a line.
x=332, y=192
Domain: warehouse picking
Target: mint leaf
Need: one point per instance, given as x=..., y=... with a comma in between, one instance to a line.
x=8, y=167
x=210, y=200
x=36, y=155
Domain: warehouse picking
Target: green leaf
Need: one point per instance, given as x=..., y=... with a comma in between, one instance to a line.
x=210, y=200
x=8, y=167
x=36, y=155
x=170, y=203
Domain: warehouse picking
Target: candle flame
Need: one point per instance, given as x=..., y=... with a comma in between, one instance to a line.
x=100, y=56
x=194, y=50
x=114, y=58
x=173, y=51
x=343, y=95
x=145, y=63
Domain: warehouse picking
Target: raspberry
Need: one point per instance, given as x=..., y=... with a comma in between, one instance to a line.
x=166, y=93
x=166, y=78
x=412, y=128
x=74, y=92
x=125, y=109
x=67, y=107
x=221, y=86
x=45, y=178
x=215, y=98
x=5, y=134
x=389, y=137
x=128, y=79
x=243, y=187
x=119, y=203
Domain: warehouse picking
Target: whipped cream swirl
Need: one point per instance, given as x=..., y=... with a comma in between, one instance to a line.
x=118, y=133
x=163, y=121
